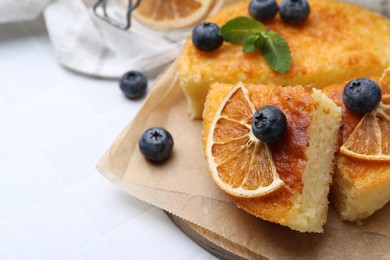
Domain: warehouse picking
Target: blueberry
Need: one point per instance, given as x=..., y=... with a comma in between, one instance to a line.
x=294, y=11
x=362, y=95
x=263, y=10
x=269, y=124
x=133, y=84
x=156, y=144
x=205, y=37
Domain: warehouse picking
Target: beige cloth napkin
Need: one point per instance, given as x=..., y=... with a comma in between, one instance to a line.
x=88, y=45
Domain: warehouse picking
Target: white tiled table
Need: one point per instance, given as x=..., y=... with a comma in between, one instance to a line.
x=54, y=126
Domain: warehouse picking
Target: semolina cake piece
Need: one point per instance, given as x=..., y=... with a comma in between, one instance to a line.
x=331, y=46
x=303, y=157
x=360, y=187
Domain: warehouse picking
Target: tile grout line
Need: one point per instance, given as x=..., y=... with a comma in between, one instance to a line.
x=65, y=131
x=95, y=117
x=114, y=230
x=88, y=179
x=29, y=209
x=100, y=236
x=151, y=209
x=9, y=113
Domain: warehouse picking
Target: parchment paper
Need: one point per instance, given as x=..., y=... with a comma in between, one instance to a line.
x=182, y=186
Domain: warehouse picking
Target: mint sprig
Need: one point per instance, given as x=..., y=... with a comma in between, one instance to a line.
x=253, y=36
x=237, y=30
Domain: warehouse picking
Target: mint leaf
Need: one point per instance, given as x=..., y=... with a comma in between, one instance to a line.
x=253, y=36
x=253, y=43
x=276, y=52
x=238, y=30
x=250, y=44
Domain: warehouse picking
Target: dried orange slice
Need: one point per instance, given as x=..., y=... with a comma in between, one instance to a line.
x=172, y=14
x=370, y=140
x=240, y=164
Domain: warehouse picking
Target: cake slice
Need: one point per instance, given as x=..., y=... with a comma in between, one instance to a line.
x=331, y=46
x=360, y=186
x=302, y=158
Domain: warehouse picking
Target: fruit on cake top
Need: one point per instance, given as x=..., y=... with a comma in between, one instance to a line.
x=337, y=42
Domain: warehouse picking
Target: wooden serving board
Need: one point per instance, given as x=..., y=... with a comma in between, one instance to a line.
x=213, y=243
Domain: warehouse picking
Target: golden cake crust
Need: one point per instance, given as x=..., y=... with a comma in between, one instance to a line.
x=337, y=42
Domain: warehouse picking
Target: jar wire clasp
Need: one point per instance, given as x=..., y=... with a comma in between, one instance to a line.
x=101, y=5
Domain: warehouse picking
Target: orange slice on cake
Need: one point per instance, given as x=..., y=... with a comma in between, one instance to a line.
x=240, y=164
x=370, y=140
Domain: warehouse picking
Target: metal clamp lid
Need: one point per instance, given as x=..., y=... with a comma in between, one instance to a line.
x=102, y=4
